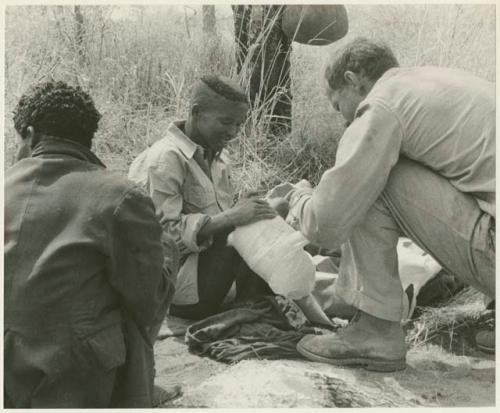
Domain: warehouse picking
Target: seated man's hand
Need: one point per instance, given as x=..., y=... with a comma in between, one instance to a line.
x=249, y=210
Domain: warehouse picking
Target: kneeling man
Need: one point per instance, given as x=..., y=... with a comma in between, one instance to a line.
x=417, y=160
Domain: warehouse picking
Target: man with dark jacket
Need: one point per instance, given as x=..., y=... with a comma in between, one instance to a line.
x=86, y=281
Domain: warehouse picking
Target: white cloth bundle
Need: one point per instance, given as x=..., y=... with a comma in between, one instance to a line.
x=274, y=251
x=416, y=268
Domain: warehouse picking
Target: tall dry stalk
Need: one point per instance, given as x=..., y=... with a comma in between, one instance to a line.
x=141, y=65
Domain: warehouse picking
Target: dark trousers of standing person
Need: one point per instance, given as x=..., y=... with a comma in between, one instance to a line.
x=218, y=267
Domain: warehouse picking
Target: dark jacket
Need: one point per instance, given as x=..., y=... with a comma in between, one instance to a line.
x=82, y=251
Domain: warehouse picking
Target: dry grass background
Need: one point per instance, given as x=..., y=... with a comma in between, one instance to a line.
x=140, y=62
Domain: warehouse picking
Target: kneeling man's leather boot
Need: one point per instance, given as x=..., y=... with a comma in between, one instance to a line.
x=367, y=341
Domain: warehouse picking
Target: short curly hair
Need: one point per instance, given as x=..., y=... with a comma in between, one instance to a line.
x=59, y=110
x=225, y=87
x=361, y=56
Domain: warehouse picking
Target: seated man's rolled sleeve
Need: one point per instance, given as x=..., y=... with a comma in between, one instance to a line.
x=191, y=225
x=367, y=152
x=165, y=186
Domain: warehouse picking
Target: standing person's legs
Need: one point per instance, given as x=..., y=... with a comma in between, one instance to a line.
x=443, y=221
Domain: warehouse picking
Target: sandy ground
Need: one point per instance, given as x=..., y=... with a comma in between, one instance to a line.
x=433, y=377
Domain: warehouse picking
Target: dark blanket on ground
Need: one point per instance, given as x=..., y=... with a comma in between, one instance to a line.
x=261, y=328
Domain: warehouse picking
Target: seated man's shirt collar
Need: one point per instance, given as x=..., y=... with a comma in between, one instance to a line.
x=181, y=140
x=184, y=143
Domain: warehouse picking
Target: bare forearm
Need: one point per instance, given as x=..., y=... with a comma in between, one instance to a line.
x=220, y=223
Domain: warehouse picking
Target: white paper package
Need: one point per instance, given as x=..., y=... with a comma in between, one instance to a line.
x=274, y=251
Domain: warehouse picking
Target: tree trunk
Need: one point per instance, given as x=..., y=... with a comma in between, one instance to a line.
x=263, y=56
x=186, y=23
x=242, y=15
x=209, y=21
x=212, y=53
x=79, y=34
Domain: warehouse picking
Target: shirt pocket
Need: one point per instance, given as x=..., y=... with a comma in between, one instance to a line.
x=223, y=186
x=197, y=198
x=225, y=199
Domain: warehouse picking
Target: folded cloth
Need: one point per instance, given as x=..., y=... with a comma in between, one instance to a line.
x=263, y=328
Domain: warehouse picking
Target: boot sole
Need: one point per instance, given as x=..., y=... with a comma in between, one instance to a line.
x=366, y=363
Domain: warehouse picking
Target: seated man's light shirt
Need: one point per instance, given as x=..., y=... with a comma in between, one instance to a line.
x=184, y=197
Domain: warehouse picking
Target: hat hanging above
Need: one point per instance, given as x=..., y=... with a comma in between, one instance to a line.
x=315, y=24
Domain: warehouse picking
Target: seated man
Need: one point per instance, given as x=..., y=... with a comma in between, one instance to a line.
x=418, y=159
x=85, y=277
x=187, y=174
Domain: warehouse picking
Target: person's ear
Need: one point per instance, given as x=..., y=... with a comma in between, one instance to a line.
x=31, y=137
x=195, y=110
x=24, y=145
x=30, y=132
x=351, y=79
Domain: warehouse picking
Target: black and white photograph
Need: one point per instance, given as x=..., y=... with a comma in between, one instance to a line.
x=232, y=205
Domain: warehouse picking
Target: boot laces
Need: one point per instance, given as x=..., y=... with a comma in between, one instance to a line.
x=355, y=318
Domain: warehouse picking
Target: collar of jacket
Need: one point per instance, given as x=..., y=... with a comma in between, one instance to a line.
x=58, y=146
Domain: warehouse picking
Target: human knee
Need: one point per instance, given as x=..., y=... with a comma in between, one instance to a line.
x=406, y=175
